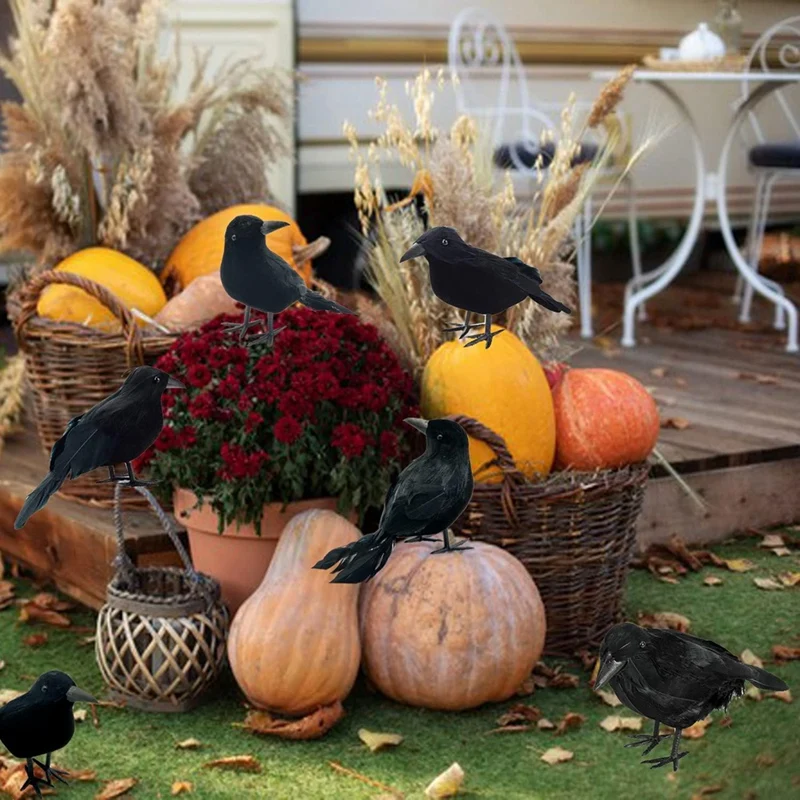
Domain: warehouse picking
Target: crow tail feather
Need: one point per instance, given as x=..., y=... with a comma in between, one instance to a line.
x=543, y=299
x=360, y=560
x=764, y=680
x=37, y=499
x=317, y=302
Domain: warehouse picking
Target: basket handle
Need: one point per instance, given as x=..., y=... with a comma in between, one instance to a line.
x=32, y=290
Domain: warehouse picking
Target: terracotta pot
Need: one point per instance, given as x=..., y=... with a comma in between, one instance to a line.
x=238, y=558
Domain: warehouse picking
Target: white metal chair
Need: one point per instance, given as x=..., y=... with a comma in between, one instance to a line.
x=479, y=47
x=769, y=161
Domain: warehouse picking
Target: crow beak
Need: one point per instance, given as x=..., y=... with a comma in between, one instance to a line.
x=415, y=251
x=608, y=669
x=76, y=695
x=174, y=383
x=271, y=225
x=416, y=422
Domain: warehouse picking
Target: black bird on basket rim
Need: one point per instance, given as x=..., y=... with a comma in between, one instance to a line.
x=673, y=679
x=477, y=281
x=115, y=431
x=427, y=497
x=260, y=279
x=40, y=722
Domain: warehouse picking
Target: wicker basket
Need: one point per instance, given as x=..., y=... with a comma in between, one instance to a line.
x=575, y=533
x=731, y=62
x=71, y=367
x=161, y=635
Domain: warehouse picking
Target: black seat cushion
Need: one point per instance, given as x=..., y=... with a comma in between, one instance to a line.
x=776, y=155
x=528, y=152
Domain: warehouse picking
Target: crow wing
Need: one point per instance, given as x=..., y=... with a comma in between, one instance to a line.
x=58, y=447
x=411, y=507
x=512, y=269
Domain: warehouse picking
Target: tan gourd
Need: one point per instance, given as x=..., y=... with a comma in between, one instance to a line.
x=294, y=643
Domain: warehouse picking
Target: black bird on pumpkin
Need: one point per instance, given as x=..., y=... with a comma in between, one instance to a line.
x=40, y=722
x=115, y=431
x=673, y=679
x=477, y=281
x=427, y=497
x=255, y=276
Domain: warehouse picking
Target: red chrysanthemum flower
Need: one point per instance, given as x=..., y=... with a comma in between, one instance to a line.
x=287, y=430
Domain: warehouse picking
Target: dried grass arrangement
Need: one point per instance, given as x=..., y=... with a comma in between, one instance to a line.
x=12, y=399
x=453, y=171
x=100, y=152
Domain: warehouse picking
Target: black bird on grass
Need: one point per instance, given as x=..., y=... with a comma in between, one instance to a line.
x=40, y=722
x=427, y=497
x=115, y=431
x=673, y=679
x=476, y=281
x=255, y=276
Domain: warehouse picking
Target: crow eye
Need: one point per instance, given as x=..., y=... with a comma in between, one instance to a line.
x=233, y=237
x=445, y=242
x=44, y=688
x=156, y=379
x=642, y=645
x=440, y=437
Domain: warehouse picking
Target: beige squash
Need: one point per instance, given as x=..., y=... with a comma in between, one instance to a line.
x=294, y=643
x=453, y=630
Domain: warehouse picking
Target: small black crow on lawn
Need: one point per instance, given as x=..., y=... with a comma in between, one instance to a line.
x=115, y=431
x=40, y=722
x=673, y=678
x=476, y=281
x=255, y=276
x=427, y=497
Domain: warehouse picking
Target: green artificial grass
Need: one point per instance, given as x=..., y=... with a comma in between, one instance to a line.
x=756, y=757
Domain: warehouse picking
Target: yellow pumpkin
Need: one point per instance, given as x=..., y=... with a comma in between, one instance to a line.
x=133, y=284
x=294, y=643
x=451, y=631
x=503, y=387
x=200, y=250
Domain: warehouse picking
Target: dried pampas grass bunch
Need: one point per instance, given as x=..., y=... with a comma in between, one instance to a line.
x=453, y=171
x=100, y=152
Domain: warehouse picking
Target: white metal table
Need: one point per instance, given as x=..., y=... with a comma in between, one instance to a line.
x=640, y=289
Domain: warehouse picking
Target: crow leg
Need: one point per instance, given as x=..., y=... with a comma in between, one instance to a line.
x=32, y=779
x=465, y=327
x=269, y=336
x=650, y=741
x=50, y=772
x=448, y=548
x=243, y=326
x=420, y=539
x=131, y=479
x=112, y=476
x=486, y=336
x=673, y=757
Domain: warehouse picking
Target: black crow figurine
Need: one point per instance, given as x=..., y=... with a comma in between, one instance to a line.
x=255, y=276
x=115, y=431
x=40, y=722
x=673, y=679
x=427, y=497
x=476, y=281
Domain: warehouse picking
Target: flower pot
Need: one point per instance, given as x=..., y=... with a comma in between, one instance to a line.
x=238, y=557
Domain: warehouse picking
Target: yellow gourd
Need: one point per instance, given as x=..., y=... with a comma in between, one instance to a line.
x=200, y=250
x=133, y=284
x=503, y=387
x=294, y=644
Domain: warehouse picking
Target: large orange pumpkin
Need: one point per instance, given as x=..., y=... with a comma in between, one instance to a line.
x=200, y=250
x=452, y=630
x=294, y=643
x=604, y=419
x=503, y=387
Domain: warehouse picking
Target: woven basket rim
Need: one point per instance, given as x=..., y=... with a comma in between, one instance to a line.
x=188, y=602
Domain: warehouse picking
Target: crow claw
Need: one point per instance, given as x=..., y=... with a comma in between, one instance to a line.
x=450, y=549
x=660, y=762
x=646, y=738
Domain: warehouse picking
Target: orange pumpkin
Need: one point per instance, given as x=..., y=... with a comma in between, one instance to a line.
x=452, y=630
x=604, y=419
x=200, y=250
x=294, y=643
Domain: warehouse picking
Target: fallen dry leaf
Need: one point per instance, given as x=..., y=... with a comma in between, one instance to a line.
x=768, y=584
x=33, y=613
x=771, y=540
x=2, y=664
x=726, y=722
x=563, y=680
x=35, y=640
x=82, y=775
x=749, y=657
x=556, y=755
x=789, y=578
x=80, y=714
x=312, y=726
x=739, y=564
x=784, y=653
x=49, y=600
x=527, y=687
x=698, y=730
x=388, y=791
x=116, y=788
x=617, y=723
x=705, y=791
x=519, y=714
x=378, y=741
x=752, y=692
x=189, y=744
x=765, y=760
x=570, y=720
x=677, y=423
x=766, y=380
x=545, y=725
x=447, y=784
x=781, y=551
x=785, y=696
x=181, y=787
x=608, y=697
x=7, y=695
x=236, y=763
x=665, y=619
x=7, y=590
x=712, y=580
x=658, y=372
